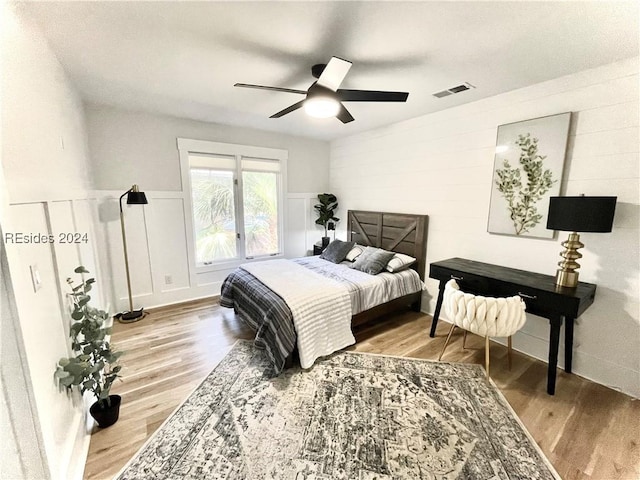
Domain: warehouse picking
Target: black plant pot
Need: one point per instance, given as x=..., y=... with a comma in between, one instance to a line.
x=106, y=414
x=325, y=241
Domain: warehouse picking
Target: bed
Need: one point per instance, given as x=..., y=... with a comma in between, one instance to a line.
x=268, y=296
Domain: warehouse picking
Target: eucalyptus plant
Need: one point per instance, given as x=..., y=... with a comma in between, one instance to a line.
x=94, y=366
x=325, y=209
x=522, y=197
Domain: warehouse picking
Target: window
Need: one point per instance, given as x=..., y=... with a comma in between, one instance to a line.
x=235, y=194
x=213, y=207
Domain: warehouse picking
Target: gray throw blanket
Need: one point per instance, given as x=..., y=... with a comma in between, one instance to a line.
x=263, y=311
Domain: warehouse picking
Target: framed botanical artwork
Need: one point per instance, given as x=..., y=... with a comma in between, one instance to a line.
x=527, y=170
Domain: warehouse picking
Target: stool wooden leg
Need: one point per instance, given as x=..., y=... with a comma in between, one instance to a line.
x=464, y=339
x=486, y=355
x=509, y=352
x=447, y=341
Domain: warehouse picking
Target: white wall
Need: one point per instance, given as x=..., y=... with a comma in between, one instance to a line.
x=441, y=165
x=44, y=185
x=130, y=147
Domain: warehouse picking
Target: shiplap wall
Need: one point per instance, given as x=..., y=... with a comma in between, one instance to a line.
x=442, y=164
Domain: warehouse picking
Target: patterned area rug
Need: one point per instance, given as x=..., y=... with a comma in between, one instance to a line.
x=352, y=416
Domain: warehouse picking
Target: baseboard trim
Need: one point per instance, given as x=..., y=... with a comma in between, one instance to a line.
x=203, y=299
x=79, y=450
x=172, y=297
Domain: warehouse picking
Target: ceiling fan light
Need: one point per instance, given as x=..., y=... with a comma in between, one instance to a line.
x=321, y=107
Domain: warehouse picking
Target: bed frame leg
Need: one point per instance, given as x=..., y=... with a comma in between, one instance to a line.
x=293, y=359
x=288, y=362
x=415, y=306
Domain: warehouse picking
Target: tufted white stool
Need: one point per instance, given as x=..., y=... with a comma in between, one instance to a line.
x=484, y=316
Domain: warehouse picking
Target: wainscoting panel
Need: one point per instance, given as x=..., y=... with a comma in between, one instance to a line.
x=165, y=217
x=137, y=249
x=84, y=212
x=297, y=225
x=40, y=321
x=156, y=242
x=302, y=232
x=157, y=246
x=65, y=248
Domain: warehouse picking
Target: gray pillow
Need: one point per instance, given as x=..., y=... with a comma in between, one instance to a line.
x=336, y=251
x=373, y=260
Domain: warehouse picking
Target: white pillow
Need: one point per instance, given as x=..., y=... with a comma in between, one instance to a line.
x=354, y=253
x=399, y=262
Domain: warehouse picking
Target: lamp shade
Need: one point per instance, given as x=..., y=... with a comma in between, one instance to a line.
x=581, y=214
x=136, y=198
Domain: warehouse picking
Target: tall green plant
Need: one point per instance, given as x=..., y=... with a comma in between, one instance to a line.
x=522, y=198
x=325, y=209
x=94, y=366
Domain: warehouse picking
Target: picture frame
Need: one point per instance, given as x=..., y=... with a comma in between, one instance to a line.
x=528, y=169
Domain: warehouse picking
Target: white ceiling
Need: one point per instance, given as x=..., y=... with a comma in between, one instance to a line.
x=182, y=58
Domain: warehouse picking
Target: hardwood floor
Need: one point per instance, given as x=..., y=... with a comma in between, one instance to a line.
x=587, y=431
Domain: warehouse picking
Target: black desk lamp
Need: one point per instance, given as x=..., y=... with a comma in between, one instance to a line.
x=578, y=214
x=134, y=197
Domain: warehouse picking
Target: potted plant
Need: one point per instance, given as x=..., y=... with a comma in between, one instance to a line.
x=94, y=366
x=328, y=204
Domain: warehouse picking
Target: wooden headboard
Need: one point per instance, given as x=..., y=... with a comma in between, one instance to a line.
x=397, y=232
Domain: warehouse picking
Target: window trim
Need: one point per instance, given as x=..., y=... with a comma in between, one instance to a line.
x=189, y=146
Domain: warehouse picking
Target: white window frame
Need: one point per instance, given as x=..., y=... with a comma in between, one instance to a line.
x=188, y=146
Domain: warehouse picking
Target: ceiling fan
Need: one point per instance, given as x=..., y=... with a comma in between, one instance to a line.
x=324, y=97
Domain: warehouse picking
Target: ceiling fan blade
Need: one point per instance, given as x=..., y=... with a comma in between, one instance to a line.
x=344, y=116
x=264, y=87
x=371, y=96
x=290, y=109
x=334, y=73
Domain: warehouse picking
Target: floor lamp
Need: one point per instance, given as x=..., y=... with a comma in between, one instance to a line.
x=134, y=197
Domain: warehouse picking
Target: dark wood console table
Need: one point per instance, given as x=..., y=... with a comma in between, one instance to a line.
x=539, y=292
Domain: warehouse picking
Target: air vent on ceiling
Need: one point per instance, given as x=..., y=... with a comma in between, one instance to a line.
x=443, y=93
x=452, y=90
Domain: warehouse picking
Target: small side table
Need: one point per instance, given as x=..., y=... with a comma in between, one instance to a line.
x=318, y=249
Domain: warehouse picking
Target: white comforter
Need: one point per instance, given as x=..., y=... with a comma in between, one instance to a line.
x=321, y=307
